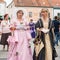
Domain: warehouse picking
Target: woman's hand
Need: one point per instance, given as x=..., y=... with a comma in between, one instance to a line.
x=12, y=28
x=38, y=29
x=3, y=25
x=16, y=42
x=28, y=27
x=44, y=30
x=16, y=53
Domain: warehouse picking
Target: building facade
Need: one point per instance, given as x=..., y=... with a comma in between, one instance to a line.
x=31, y=8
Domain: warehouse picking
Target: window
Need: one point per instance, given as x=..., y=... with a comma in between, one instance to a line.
x=58, y=14
x=30, y=14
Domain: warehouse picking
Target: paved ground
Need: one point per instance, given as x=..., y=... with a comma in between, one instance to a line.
x=3, y=54
x=58, y=51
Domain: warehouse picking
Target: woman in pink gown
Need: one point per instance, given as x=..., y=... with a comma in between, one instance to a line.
x=19, y=48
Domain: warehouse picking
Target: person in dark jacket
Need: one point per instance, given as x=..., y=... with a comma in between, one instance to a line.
x=56, y=29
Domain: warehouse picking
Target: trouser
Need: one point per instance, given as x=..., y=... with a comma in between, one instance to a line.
x=57, y=37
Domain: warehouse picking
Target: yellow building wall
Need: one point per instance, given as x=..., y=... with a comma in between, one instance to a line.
x=34, y=10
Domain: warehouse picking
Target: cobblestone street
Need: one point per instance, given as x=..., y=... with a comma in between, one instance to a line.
x=3, y=54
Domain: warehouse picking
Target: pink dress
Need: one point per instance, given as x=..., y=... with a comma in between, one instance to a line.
x=20, y=50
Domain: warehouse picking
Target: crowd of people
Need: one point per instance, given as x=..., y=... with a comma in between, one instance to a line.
x=17, y=33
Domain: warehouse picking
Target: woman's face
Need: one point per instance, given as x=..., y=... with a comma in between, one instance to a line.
x=20, y=14
x=7, y=17
x=44, y=13
x=0, y=21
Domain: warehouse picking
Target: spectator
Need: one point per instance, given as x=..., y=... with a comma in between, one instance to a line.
x=5, y=31
x=56, y=29
x=32, y=28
